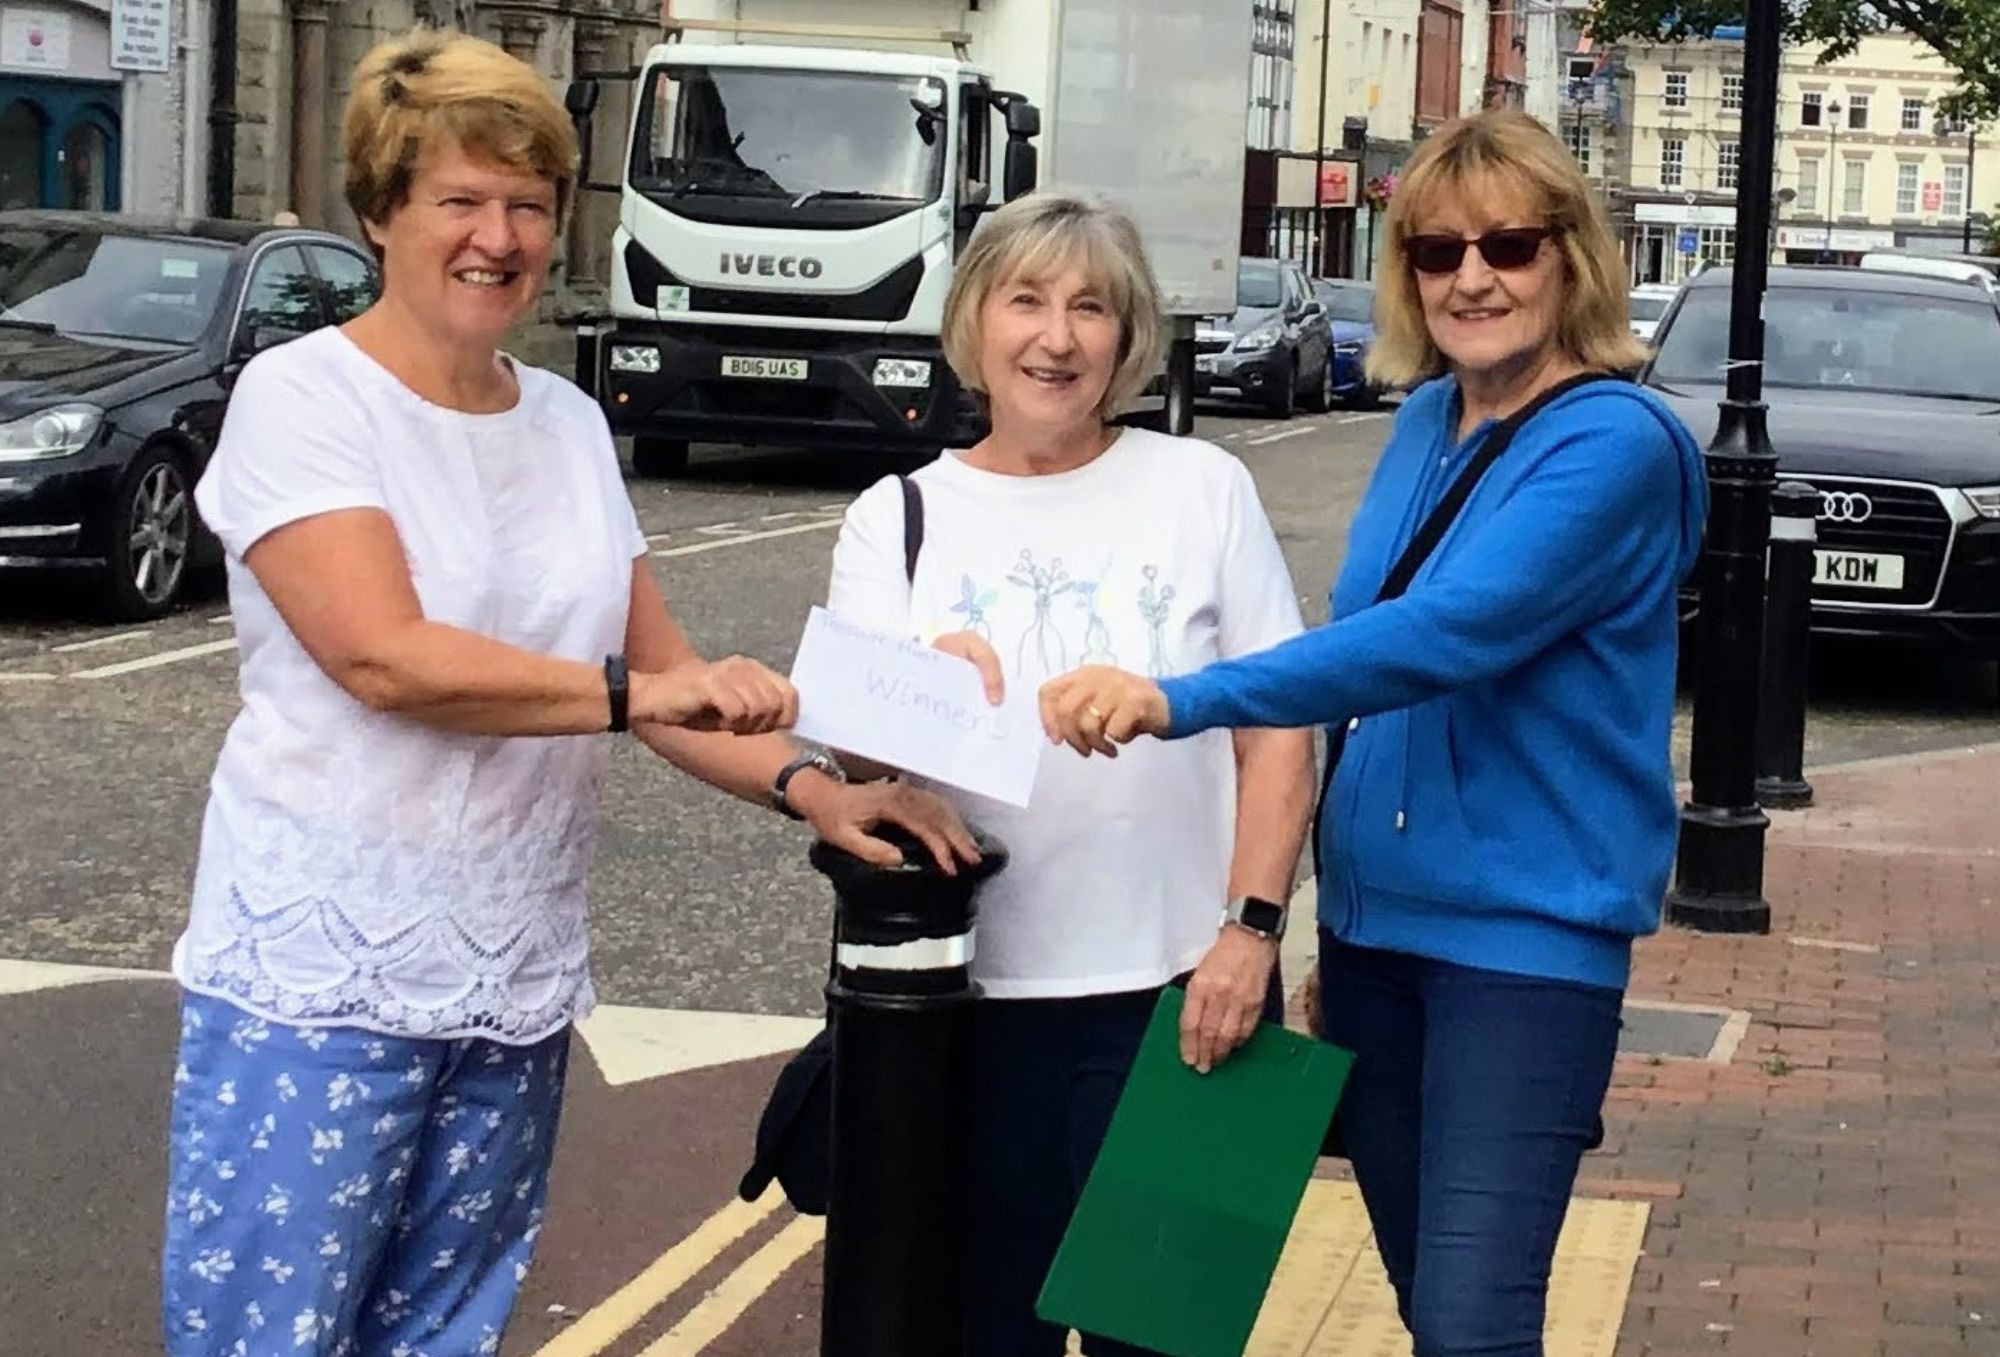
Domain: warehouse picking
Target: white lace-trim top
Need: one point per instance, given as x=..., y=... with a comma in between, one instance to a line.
x=362, y=868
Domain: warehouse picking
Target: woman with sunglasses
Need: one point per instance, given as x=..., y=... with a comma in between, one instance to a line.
x=1499, y=824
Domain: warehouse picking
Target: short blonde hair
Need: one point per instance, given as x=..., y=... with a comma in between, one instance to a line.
x=1504, y=149
x=436, y=85
x=1035, y=236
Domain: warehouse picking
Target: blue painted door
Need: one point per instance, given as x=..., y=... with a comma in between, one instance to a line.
x=59, y=144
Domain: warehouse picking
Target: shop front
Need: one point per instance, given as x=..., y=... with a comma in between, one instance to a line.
x=1829, y=244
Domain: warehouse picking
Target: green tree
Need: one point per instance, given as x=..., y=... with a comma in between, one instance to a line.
x=1965, y=33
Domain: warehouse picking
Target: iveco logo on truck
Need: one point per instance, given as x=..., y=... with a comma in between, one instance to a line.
x=772, y=265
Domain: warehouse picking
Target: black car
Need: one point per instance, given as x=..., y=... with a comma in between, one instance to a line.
x=1884, y=395
x=1275, y=348
x=119, y=341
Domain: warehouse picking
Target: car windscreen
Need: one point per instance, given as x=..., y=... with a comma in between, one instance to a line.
x=788, y=140
x=1829, y=337
x=1349, y=303
x=158, y=290
x=1257, y=284
x=1649, y=308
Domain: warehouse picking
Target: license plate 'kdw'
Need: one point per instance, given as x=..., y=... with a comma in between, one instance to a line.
x=1857, y=570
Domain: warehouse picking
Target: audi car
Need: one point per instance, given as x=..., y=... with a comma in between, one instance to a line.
x=1275, y=348
x=1884, y=396
x=120, y=339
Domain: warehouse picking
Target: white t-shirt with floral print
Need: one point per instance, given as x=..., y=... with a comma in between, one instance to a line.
x=1156, y=557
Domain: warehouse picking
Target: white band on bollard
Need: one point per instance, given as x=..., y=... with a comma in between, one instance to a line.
x=919, y=954
x=1793, y=529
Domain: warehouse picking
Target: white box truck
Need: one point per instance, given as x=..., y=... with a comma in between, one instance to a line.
x=795, y=191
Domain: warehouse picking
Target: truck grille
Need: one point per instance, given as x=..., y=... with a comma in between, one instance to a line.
x=1888, y=519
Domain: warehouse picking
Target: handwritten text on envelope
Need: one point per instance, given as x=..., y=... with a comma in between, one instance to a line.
x=914, y=708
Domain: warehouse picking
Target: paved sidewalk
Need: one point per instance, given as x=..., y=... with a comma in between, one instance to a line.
x=1833, y=1190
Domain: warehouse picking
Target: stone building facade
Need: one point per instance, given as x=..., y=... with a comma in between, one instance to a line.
x=295, y=62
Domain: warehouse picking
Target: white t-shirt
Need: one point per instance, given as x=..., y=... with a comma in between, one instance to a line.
x=1156, y=557
x=359, y=867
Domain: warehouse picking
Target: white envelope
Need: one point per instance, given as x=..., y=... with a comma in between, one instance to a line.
x=906, y=705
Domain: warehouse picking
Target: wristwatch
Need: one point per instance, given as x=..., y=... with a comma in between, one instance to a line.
x=813, y=759
x=1265, y=918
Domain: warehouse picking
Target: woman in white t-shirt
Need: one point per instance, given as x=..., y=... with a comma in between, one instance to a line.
x=442, y=600
x=1062, y=540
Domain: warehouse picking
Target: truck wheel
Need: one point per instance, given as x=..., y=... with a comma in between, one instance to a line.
x=659, y=458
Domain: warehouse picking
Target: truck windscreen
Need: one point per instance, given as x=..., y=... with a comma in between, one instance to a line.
x=806, y=148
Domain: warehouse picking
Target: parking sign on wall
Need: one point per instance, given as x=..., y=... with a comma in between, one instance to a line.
x=141, y=34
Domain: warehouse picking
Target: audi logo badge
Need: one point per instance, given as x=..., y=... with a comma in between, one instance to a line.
x=1844, y=506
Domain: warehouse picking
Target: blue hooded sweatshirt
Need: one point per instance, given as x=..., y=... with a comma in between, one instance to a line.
x=1506, y=798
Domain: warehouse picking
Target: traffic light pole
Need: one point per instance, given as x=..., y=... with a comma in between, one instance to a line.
x=1719, y=872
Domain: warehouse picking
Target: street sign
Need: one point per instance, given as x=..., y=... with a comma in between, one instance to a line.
x=1689, y=241
x=141, y=35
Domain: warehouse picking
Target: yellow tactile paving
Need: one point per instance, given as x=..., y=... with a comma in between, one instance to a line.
x=1330, y=1297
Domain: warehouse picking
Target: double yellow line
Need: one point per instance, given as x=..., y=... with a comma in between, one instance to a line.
x=712, y=1316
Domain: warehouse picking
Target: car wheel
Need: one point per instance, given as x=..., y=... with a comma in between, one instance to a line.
x=659, y=458
x=152, y=527
x=1284, y=397
x=1320, y=399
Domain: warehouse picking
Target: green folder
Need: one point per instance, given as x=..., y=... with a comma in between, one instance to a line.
x=1179, y=1228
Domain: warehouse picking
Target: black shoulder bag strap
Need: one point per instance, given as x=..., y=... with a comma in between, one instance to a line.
x=1425, y=542
x=913, y=526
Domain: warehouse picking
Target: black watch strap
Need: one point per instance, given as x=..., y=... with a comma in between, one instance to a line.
x=812, y=759
x=618, y=687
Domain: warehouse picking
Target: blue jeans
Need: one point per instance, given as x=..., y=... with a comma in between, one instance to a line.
x=1473, y=1097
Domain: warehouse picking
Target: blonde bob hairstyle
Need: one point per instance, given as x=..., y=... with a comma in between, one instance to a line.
x=1502, y=154
x=1037, y=236
x=437, y=87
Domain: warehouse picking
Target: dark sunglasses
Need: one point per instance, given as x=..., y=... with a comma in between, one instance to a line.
x=1511, y=247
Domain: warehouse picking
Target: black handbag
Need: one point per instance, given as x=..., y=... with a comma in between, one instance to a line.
x=1398, y=580
x=795, y=1130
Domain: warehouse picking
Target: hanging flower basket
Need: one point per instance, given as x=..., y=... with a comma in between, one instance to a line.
x=1380, y=190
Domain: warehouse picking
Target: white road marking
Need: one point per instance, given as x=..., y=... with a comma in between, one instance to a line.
x=694, y=548
x=117, y=638
x=631, y=1044
x=779, y=518
x=1363, y=419
x=165, y=657
x=226, y=619
x=1299, y=432
x=722, y=529
x=32, y=677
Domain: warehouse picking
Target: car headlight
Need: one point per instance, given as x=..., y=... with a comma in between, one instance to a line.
x=642, y=358
x=59, y=431
x=902, y=372
x=1985, y=499
x=1259, y=339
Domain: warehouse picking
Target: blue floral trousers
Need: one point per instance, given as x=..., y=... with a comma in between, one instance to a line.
x=337, y=1193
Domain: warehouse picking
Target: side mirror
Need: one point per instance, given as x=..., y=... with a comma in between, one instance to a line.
x=580, y=99
x=1024, y=120
x=258, y=338
x=1313, y=311
x=1022, y=169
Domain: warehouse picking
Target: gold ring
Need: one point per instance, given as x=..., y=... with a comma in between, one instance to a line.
x=1094, y=714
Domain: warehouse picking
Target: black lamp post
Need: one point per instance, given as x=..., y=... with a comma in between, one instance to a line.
x=1719, y=872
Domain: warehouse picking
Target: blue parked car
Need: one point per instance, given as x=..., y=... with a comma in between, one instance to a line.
x=1350, y=313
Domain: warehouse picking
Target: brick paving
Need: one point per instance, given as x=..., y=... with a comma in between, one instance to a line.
x=1833, y=1190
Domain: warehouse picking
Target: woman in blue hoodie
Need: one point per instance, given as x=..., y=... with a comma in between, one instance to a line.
x=1501, y=822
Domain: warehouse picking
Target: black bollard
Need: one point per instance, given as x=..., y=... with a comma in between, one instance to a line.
x=900, y=1005
x=1781, y=720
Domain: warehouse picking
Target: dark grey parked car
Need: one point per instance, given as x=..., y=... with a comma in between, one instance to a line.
x=1274, y=349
